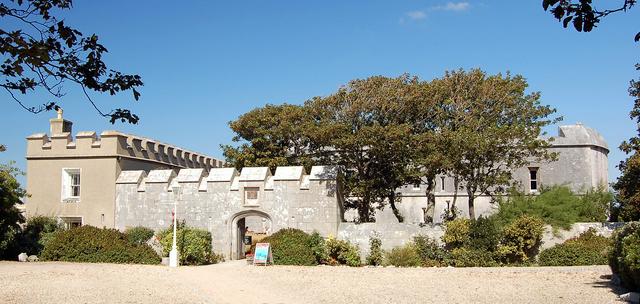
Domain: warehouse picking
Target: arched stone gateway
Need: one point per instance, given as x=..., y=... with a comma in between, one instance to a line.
x=222, y=201
x=239, y=228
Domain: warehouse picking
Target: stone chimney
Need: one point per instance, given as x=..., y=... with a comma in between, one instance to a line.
x=59, y=125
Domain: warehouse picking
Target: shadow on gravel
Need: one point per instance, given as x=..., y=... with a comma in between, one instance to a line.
x=606, y=282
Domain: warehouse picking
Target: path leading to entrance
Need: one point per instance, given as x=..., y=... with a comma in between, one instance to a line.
x=236, y=282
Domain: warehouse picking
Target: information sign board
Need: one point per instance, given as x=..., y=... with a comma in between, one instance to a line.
x=262, y=255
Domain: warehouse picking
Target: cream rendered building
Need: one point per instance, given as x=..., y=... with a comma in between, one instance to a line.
x=75, y=179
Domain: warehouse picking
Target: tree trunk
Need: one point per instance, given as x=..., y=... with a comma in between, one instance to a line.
x=456, y=184
x=392, y=203
x=431, y=201
x=364, y=212
x=472, y=198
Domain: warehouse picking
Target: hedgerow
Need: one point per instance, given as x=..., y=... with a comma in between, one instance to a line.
x=586, y=249
x=95, y=245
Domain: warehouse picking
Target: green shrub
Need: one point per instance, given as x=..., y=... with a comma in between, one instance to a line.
x=193, y=244
x=30, y=239
x=469, y=257
x=484, y=234
x=45, y=237
x=139, y=235
x=342, y=253
x=521, y=239
x=456, y=233
x=9, y=248
x=430, y=251
x=586, y=249
x=557, y=206
x=376, y=255
x=405, y=256
x=317, y=244
x=95, y=245
x=291, y=246
x=624, y=258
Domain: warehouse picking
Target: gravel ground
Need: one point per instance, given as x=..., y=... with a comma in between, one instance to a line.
x=235, y=282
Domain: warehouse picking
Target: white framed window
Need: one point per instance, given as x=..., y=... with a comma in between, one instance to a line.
x=71, y=222
x=416, y=186
x=441, y=183
x=533, y=179
x=251, y=195
x=71, y=185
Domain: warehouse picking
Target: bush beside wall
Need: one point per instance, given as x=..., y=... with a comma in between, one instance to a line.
x=193, y=244
x=36, y=233
x=95, y=245
x=520, y=240
x=342, y=253
x=586, y=249
x=557, y=206
x=456, y=233
x=624, y=258
x=405, y=256
x=291, y=246
x=430, y=252
x=469, y=257
x=376, y=255
x=139, y=235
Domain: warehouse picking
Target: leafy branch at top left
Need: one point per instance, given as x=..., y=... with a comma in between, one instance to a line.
x=38, y=51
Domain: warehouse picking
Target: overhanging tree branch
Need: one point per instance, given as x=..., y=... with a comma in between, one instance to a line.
x=60, y=54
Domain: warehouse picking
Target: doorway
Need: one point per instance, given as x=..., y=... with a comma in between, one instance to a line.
x=247, y=229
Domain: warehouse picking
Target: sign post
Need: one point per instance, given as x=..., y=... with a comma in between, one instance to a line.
x=262, y=255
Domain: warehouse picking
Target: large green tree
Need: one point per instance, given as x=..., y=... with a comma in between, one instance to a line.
x=11, y=195
x=271, y=136
x=386, y=133
x=491, y=126
x=628, y=184
x=40, y=53
x=368, y=126
x=364, y=127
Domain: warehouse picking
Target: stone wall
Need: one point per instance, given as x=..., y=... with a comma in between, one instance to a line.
x=217, y=201
x=552, y=238
x=391, y=234
x=398, y=234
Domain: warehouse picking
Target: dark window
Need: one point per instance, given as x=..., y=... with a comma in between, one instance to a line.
x=533, y=179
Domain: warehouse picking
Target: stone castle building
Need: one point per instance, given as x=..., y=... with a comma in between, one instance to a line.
x=75, y=178
x=121, y=180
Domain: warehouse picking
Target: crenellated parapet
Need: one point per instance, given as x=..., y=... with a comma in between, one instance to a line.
x=114, y=144
x=229, y=178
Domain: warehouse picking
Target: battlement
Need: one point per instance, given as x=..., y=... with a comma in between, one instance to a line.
x=61, y=144
x=229, y=178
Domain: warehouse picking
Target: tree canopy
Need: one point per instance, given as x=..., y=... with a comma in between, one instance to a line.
x=628, y=183
x=271, y=136
x=42, y=53
x=11, y=195
x=386, y=133
x=492, y=127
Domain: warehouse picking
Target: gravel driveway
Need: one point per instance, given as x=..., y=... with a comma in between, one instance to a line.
x=235, y=282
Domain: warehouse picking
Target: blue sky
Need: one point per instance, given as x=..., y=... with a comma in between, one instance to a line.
x=204, y=63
